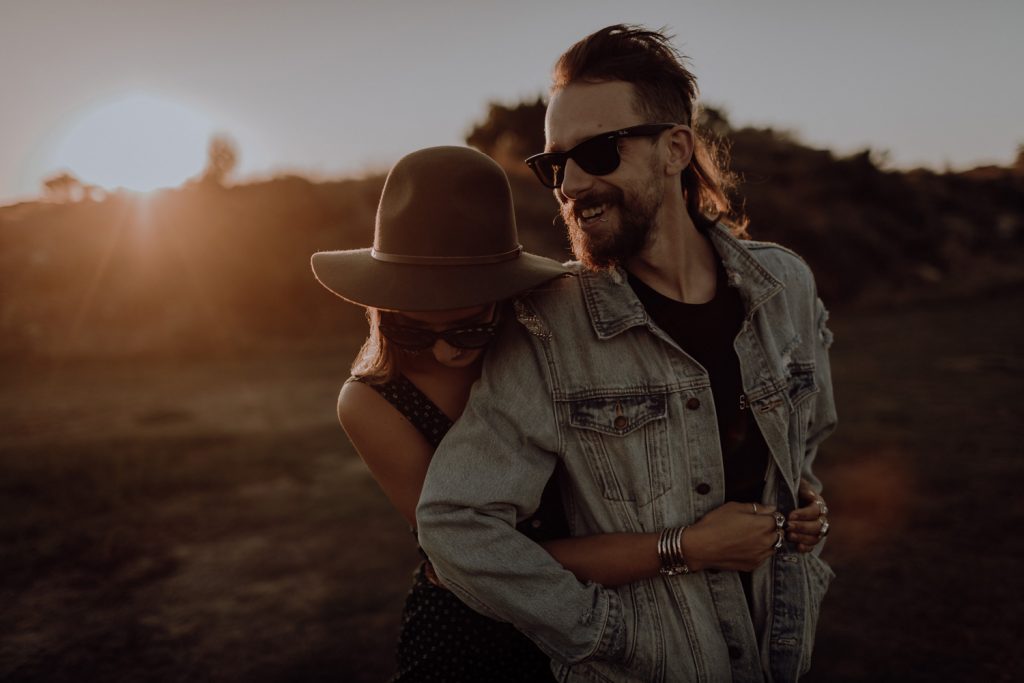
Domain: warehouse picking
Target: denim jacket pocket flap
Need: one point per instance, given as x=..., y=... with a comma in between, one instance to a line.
x=767, y=397
x=617, y=415
x=801, y=382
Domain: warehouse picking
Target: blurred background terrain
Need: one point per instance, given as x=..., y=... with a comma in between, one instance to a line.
x=179, y=503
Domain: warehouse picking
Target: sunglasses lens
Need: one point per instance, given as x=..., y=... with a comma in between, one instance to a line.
x=599, y=156
x=548, y=168
x=407, y=337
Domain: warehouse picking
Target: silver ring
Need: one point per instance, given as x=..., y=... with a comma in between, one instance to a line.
x=822, y=507
x=778, y=541
x=780, y=519
x=824, y=528
x=755, y=507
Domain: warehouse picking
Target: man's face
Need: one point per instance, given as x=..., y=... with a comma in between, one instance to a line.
x=609, y=217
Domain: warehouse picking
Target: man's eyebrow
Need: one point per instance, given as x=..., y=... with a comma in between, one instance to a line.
x=550, y=147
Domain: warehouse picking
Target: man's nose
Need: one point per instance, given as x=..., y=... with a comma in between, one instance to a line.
x=575, y=181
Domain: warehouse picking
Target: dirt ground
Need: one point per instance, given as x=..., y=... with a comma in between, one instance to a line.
x=207, y=520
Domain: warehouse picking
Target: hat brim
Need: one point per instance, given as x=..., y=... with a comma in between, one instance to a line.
x=357, y=277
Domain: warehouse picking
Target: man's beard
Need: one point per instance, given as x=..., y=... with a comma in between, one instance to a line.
x=600, y=248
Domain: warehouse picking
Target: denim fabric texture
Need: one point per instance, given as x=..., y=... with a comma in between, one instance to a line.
x=584, y=378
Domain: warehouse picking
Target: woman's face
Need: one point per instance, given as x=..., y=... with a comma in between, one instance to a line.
x=459, y=319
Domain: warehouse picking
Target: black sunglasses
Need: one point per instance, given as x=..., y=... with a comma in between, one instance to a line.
x=598, y=155
x=420, y=339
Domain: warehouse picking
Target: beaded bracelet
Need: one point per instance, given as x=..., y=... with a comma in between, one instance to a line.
x=670, y=552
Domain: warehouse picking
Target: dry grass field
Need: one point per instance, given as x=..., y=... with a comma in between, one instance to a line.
x=207, y=520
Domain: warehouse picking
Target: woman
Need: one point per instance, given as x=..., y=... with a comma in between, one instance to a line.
x=445, y=257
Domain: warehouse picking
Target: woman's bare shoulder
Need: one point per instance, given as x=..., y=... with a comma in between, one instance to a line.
x=376, y=427
x=358, y=402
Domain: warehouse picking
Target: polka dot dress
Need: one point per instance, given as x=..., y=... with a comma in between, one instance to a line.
x=441, y=639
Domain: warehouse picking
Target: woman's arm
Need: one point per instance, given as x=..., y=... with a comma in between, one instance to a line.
x=608, y=559
x=729, y=537
x=396, y=453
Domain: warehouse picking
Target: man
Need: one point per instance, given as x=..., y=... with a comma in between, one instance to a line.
x=681, y=386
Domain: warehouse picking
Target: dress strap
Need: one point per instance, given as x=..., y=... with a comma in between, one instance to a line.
x=415, y=406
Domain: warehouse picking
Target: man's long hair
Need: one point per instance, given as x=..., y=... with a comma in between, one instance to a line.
x=666, y=91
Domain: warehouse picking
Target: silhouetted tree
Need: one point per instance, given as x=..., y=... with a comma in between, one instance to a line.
x=63, y=187
x=509, y=134
x=713, y=121
x=221, y=160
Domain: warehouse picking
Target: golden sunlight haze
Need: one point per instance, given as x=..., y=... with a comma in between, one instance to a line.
x=137, y=140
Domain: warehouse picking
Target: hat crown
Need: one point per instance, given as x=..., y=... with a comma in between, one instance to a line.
x=445, y=202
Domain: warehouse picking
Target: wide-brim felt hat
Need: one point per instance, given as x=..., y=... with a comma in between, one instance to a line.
x=445, y=238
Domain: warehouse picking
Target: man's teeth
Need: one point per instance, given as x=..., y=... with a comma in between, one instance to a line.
x=592, y=211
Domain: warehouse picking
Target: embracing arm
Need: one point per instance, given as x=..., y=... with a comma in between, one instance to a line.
x=732, y=536
x=398, y=456
x=608, y=559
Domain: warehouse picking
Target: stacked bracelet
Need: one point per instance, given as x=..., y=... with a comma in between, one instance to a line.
x=670, y=552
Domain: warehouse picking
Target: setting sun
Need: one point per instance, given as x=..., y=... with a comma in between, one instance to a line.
x=137, y=141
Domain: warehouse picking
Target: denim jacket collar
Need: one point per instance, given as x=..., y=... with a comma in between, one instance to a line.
x=614, y=307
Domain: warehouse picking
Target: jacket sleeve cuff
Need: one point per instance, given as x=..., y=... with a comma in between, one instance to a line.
x=612, y=646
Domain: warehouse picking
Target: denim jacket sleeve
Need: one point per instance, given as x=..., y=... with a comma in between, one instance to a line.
x=823, y=418
x=490, y=471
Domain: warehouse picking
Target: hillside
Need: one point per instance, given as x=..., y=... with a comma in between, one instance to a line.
x=206, y=268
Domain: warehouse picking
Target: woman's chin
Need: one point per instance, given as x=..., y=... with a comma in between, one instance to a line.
x=464, y=360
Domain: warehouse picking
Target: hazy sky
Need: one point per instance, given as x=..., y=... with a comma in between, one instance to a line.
x=340, y=87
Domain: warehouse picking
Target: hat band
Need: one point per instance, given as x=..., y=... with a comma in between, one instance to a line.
x=412, y=260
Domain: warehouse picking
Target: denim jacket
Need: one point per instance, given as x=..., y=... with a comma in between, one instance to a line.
x=586, y=382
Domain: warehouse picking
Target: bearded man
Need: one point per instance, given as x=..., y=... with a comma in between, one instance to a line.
x=678, y=387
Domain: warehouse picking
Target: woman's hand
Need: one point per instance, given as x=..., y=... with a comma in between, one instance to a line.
x=809, y=524
x=736, y=536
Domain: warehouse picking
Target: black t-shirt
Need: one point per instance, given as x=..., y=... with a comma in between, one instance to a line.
x=706, y=332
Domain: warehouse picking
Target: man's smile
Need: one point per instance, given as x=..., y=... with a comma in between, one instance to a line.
x=592, y=214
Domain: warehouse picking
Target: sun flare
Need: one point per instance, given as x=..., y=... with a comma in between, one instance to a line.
x=137, y=141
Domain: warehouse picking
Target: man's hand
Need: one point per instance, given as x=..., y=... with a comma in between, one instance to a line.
x=809, y=524
x=736, y=536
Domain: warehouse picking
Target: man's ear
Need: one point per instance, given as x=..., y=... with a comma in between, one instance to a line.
x=680, y=149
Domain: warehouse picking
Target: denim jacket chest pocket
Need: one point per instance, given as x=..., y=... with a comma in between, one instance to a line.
x=624, y=440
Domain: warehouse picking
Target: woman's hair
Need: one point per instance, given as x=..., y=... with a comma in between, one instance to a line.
x=376, y=361
x=666, y=91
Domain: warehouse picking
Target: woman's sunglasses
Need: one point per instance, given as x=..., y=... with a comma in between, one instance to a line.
x=420, y=339
x=598, y=155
